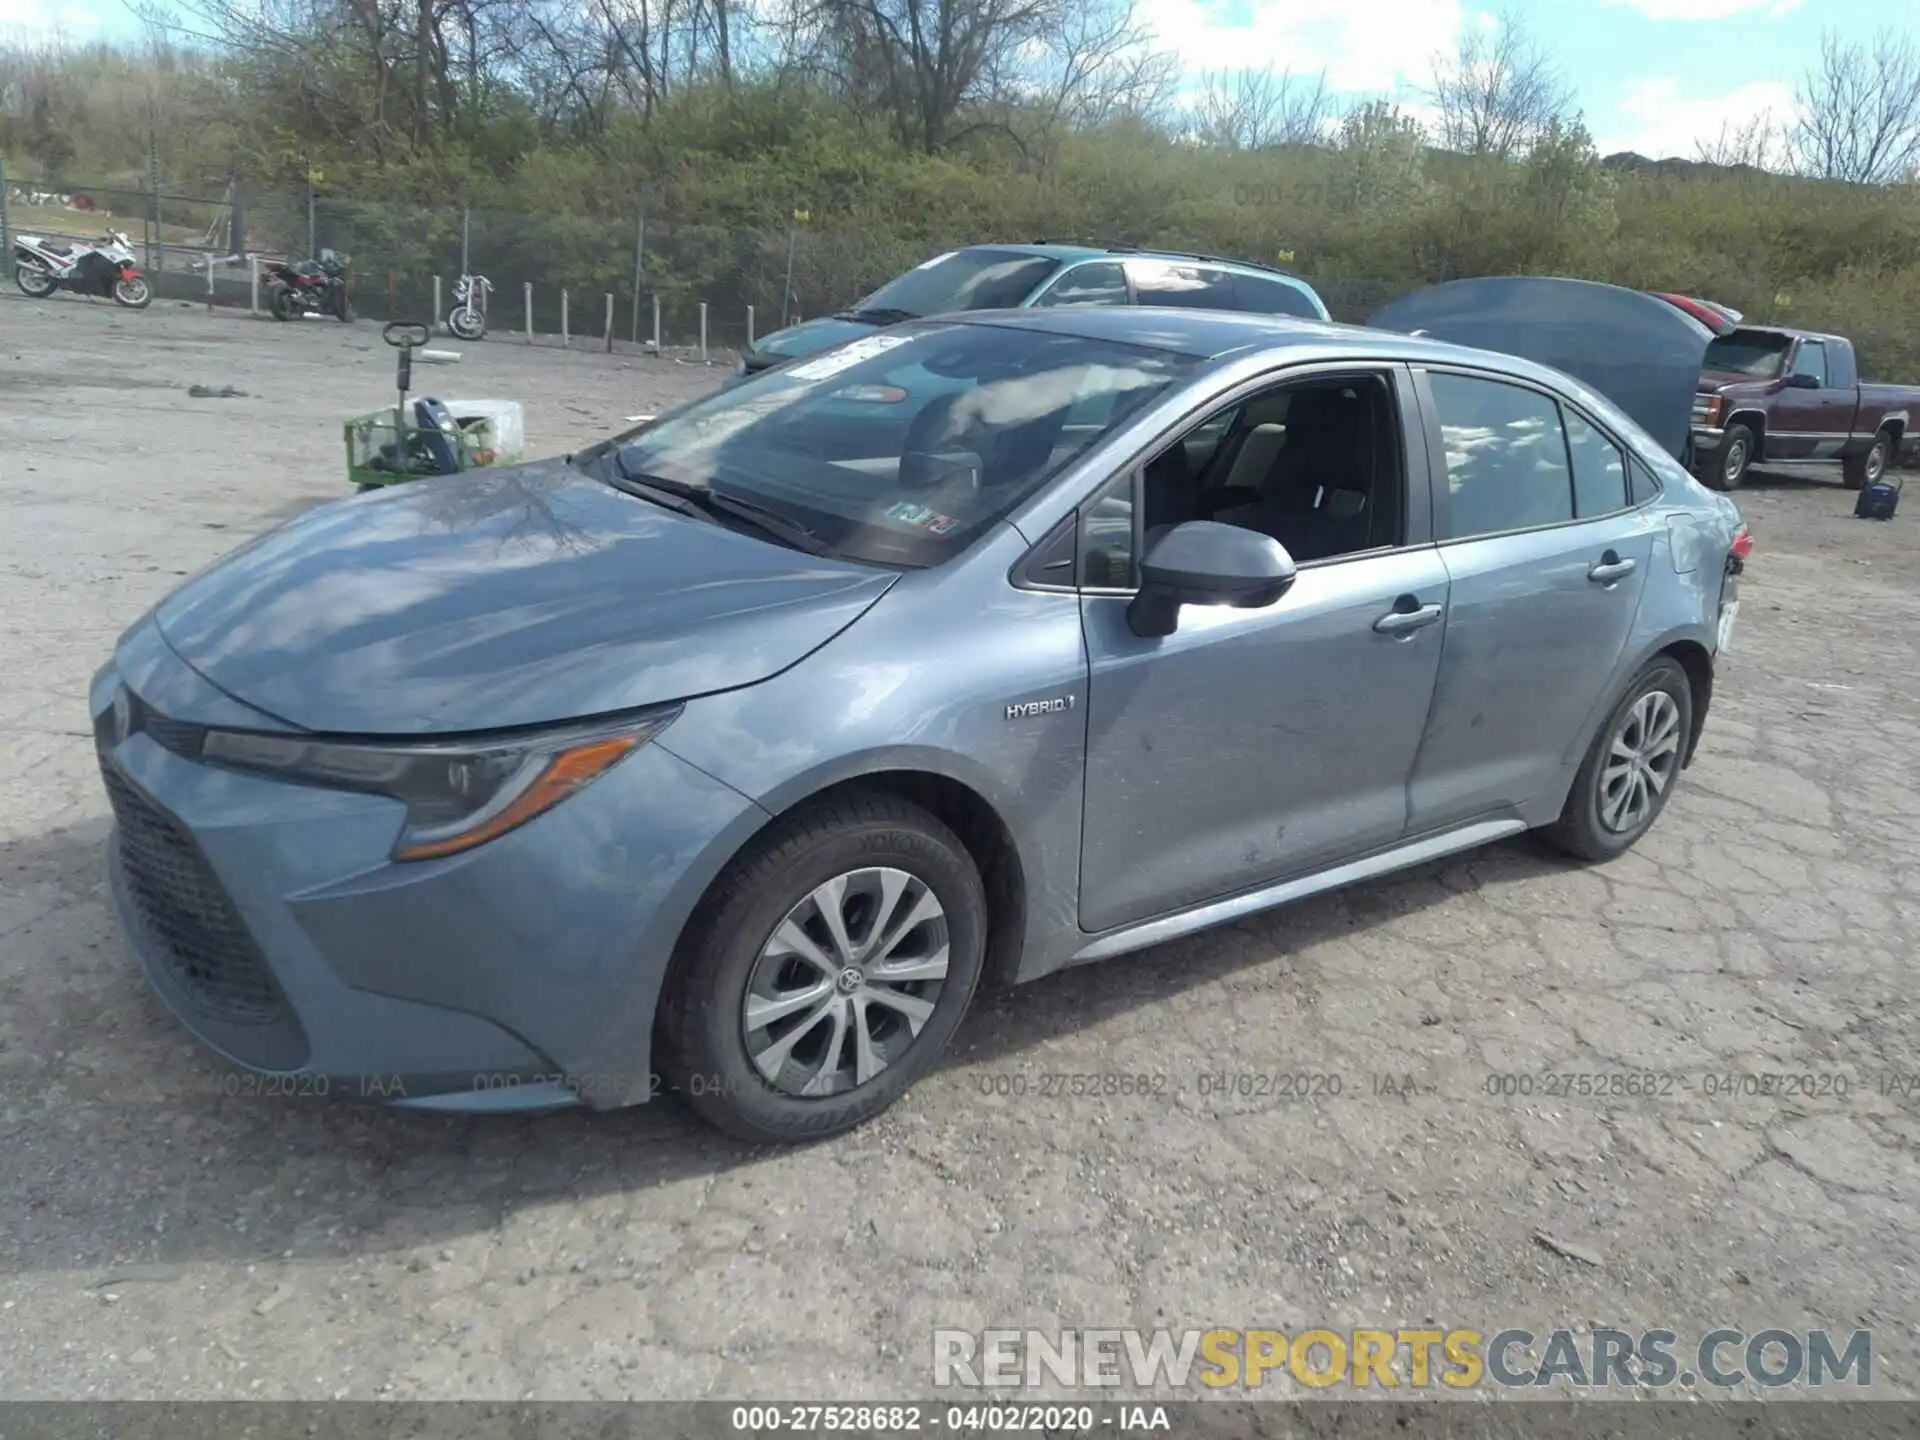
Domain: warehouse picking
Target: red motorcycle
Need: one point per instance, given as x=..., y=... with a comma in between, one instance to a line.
x=308, y=287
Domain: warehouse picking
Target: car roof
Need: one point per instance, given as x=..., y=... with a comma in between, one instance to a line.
x=1067, y=251
x=1217, y=334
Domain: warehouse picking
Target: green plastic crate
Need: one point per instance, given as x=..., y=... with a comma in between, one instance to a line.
x=384, y=450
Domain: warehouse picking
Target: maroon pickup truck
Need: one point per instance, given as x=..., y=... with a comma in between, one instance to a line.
x=1791, y=397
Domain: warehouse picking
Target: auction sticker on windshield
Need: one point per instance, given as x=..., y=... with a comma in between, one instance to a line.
x=846, y=357
x=921, y=518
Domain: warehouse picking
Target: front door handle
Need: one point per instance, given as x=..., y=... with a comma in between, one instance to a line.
x=1610, y=569
x=1405, y=622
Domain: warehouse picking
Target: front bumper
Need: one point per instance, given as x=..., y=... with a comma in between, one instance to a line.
x=522, y=974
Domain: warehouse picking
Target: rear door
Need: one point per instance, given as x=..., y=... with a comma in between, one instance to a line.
x=1546, y=554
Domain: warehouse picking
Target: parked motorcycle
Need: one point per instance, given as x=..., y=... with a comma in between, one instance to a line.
x=105, y=270
x=308, y=287
x=468, y=318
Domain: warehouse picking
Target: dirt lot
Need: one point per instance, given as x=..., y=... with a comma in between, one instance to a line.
x=159, y=1238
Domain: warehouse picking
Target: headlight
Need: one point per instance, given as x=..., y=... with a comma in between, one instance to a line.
x=458, y=795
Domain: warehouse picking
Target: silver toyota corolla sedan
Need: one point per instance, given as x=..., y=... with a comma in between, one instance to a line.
x=740, y=750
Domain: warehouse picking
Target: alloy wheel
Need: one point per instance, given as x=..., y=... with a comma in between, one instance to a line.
x=1876, y=461
x=1735, y=464
x=1640, y=762
x=845, y=984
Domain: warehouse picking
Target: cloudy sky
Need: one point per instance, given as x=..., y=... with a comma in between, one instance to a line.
x=1656, y=76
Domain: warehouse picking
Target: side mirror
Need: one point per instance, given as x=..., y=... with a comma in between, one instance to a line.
x=1206, y=563
x=1801, y=381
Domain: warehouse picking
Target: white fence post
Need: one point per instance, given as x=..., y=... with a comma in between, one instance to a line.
x=526, y=299
x=656, y=324
x=434, y=328
x=703, y=333
x=564, y=341
x=253, y=285
x=749, y=326
x=609, y=340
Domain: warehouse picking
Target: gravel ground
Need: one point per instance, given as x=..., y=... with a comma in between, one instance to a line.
x=160, y=1238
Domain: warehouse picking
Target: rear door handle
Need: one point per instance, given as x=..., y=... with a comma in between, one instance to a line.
x=1405, y=622
x=1610, y=569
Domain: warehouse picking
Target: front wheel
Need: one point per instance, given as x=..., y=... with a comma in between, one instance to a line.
x=1727, y=467
x=825, y=972
x=35, y=280
x=1632, y=766
x=1859, y=471
x=466, y=324
x=132, y=292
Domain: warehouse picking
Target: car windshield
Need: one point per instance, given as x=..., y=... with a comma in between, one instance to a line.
x=980, y=279
x=901, y=448
x=1758, y=353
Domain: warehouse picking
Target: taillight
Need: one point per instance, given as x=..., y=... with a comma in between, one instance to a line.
x=1742, y=543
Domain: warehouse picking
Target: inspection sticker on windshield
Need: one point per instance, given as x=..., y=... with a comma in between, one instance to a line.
x=846, y=357
x=921, y=518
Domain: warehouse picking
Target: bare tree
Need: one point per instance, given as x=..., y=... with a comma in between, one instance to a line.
x=1753, y=144
x=1860, y=111
x=1256, y=109
x=1498, y=93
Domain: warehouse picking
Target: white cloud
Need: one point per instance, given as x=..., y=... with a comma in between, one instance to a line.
x=33, y=20
x=1705, y=9
x=1383, y=46
x=1664, y=116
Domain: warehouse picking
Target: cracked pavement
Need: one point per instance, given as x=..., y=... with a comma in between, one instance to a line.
x=165, y=1234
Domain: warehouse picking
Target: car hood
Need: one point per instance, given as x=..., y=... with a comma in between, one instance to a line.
x=809, y=337
x=502, y=598
x=1712, y=382
x=1640, y=352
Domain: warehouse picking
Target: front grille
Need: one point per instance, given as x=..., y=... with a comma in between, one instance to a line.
x=190, y=923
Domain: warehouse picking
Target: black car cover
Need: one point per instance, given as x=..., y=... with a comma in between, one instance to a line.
x=1638, y=351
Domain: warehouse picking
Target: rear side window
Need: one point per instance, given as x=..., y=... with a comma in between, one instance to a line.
x=1507, y=465
x=1262, y=296
x=1187, y=287
x=1599, y=470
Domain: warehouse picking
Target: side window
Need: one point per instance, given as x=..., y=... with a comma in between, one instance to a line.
x=1262, y=296
x=1507, y=466
x=1645, y=484
x=1101, y=283
x=1811, y=359
x=1187, y=287
x=1599, y=470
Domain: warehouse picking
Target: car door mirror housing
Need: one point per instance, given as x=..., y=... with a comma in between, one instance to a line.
x=1802, y=381
x=1204, y=562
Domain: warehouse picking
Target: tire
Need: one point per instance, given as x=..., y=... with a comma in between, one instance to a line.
x=279, y=302
x=874, y=847
x=1859, y=471
x=1727, y=466
x=35, y=280
x=135, y=294
x=466, y=325
x=1658, y=705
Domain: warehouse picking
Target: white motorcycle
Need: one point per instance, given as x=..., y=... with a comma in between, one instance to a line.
x=468, y=318
x=104, y=269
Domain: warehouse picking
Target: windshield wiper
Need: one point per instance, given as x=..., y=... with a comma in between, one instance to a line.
x=705, y=503
x=885, y=315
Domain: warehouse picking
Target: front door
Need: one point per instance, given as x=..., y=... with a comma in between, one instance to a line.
x=1547, y=558
x=1253, y=745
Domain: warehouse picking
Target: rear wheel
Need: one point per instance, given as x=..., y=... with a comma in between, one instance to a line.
x=279, y=302
x=826, y=971
x=1727, y=467
x=1631, y=768
x=35, y=280
x=1862, y=470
